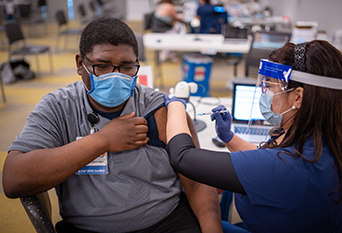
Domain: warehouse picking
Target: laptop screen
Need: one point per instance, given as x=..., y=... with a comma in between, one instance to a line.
x=243, y=106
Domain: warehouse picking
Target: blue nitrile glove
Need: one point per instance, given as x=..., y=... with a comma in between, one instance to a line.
x=223, y=123
x=168, y=100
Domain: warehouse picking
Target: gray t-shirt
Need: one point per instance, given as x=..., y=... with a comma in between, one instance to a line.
x=140, y=189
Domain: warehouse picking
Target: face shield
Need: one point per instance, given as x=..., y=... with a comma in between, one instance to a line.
x=271, y=88
x=273, y=82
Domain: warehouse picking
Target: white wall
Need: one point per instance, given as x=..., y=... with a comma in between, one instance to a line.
x=53, y=6
x=327, y=13
x=135, y=9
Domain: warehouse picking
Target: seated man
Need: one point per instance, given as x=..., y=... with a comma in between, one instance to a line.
x=101, y=143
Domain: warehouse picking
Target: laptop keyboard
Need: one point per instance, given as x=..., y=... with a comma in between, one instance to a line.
x=253, y=130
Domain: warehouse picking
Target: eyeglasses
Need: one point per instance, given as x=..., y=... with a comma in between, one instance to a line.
x=267, y=84
x=100, y=69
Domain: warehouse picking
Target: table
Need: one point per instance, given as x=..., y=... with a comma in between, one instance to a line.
x=204, y=43
x=205, y=104
x=266, y=22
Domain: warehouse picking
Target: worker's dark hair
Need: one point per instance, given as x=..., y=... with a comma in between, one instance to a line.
x=107, y=30
x=320, y=115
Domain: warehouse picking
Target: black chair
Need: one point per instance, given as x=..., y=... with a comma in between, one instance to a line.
x=92, y=7
x=263, y=43
x=15, y=36
x=82, y=12
x=85, y=19
x=141, y=47
x=148, y=20
x=38, y=209
x=64, y=29
x=26, y=18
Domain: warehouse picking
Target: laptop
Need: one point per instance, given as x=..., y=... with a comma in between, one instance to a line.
x=234, y=34
x=244, y=109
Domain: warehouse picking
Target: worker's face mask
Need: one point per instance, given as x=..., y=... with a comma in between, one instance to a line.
x=265, y=104
x=111, y=89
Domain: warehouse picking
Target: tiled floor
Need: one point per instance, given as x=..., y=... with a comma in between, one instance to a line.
x=22, y=96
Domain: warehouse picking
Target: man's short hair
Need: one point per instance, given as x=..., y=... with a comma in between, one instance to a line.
x=107, y=30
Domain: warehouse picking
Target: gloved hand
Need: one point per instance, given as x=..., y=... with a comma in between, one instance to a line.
x=223, y=123
x=168, y=100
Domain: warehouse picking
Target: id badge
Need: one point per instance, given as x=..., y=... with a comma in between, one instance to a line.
x=97, y=166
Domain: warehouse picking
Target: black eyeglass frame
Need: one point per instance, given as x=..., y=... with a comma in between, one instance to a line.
x=114, y=67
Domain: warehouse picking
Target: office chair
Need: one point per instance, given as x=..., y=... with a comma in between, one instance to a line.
x=263, y=43
x=38, y=209
x=15, y=36
x=64, y=30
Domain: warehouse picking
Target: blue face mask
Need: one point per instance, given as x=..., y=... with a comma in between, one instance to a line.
x=265, y=103
x=111, y=89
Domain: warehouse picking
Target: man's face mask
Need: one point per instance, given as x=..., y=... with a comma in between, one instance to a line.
x=111, y=89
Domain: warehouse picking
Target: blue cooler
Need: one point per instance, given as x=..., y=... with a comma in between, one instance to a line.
x=196, y=68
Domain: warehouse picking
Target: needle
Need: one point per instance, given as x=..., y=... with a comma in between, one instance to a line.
x=210, y=113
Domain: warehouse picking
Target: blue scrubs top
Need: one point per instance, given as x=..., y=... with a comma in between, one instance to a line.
x=207, y=18
x=210, y=19
x=285, y=192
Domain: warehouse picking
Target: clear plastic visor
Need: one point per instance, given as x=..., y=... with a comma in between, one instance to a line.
x=271, y=84
x=269, y=104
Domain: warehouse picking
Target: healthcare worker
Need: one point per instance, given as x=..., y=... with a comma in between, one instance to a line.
x=292, y=183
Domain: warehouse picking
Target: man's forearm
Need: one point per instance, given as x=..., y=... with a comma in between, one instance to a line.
x=204, y=199
x=205, y=204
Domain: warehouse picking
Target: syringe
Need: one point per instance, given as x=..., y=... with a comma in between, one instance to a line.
x=210, y=113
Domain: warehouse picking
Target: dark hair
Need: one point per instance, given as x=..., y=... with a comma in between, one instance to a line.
x=165, y=1
x=321, y=113
x=107, y=30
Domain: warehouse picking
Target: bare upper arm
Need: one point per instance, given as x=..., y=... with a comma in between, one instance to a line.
x=160, y=116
